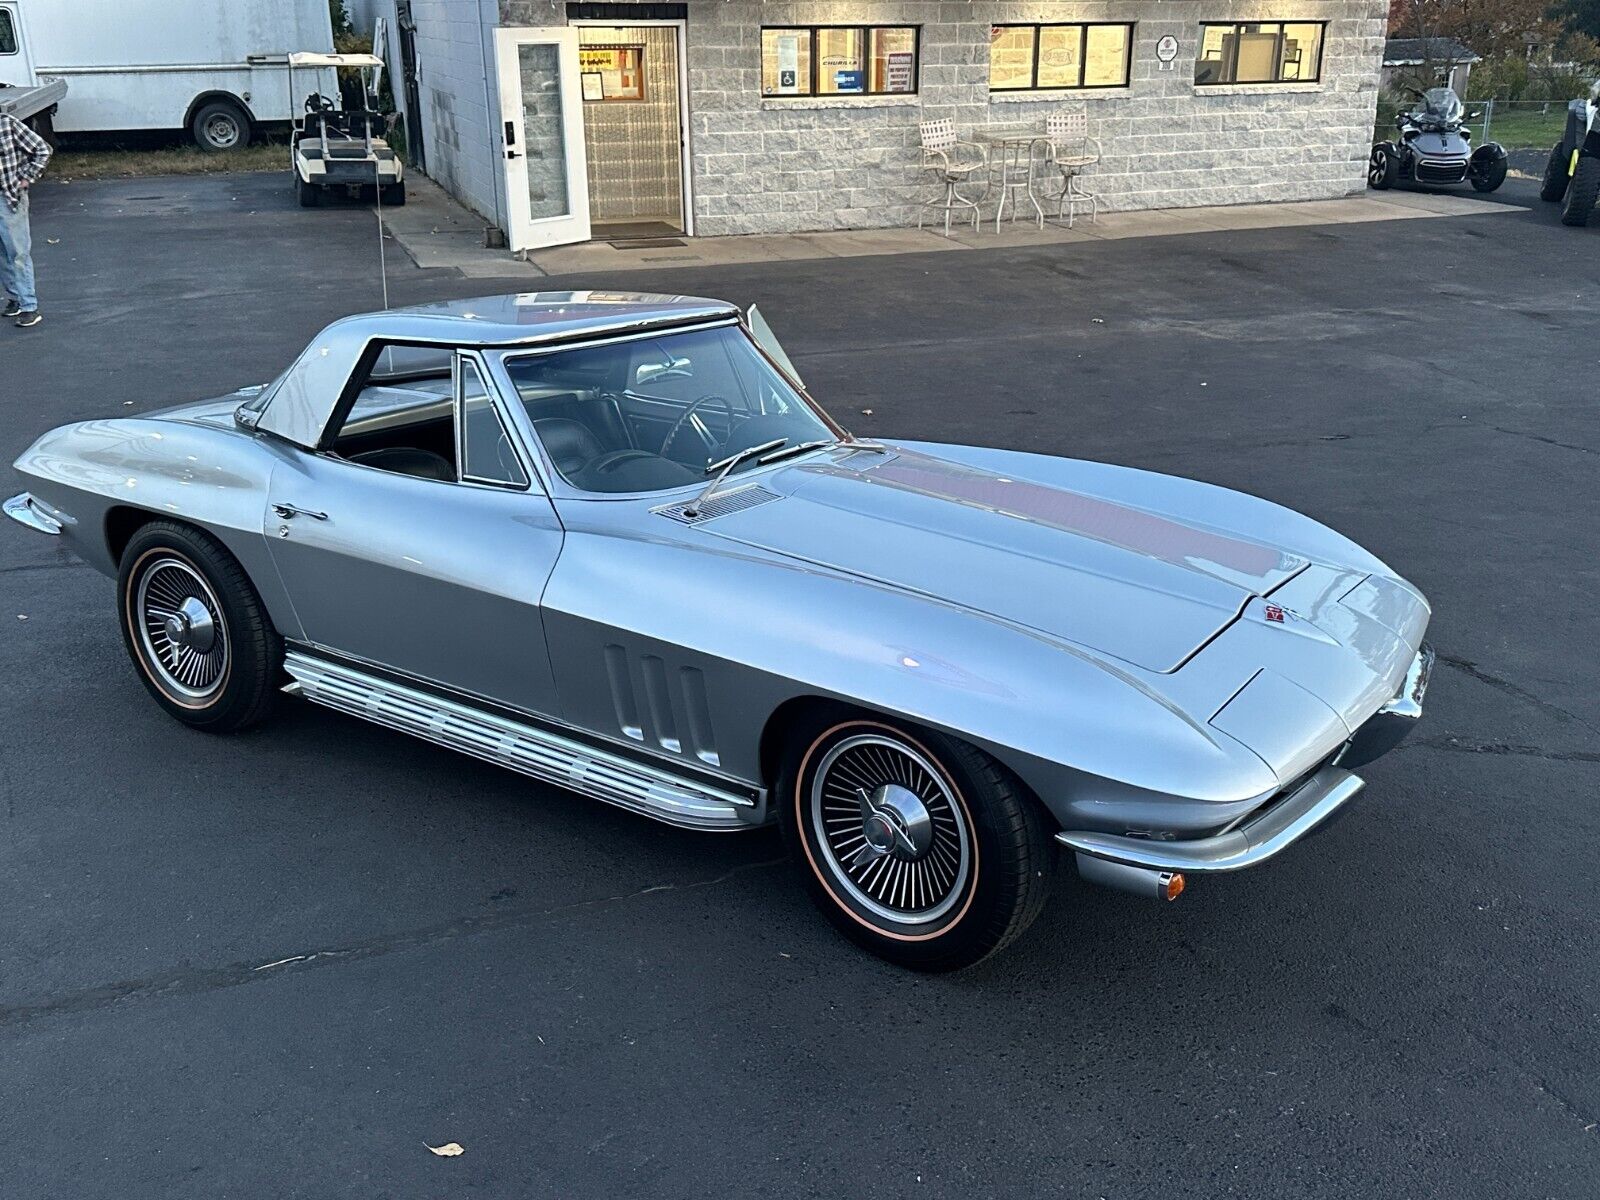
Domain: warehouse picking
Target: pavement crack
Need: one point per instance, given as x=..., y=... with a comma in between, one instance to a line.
x=1467, y=667
x=1469, y=746
x=194, y=982
x=1548, y=441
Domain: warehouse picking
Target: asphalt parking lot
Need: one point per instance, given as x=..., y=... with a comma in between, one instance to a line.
x=284, y=964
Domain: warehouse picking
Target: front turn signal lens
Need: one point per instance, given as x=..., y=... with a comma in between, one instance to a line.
x=1173, y=886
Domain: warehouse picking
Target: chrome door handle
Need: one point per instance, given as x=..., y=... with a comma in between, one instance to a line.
x=286, y=511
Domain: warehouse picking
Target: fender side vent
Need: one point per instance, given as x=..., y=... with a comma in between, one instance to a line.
x=720, y=505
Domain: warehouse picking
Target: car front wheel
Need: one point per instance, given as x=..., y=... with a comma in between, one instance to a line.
x=196, y=629
x=918, y=847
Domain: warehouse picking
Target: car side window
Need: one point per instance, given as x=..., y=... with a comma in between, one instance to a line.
x=487, y=455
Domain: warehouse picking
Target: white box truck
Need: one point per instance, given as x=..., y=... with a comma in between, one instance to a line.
x=218, y=69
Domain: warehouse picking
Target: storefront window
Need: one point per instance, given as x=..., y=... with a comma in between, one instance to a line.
x=1259, y=53
x=839, y=60
x=1058, y=57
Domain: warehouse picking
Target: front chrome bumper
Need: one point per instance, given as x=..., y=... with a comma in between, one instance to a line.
x=1257, y=839
x=25, y=510
x=1273, y=828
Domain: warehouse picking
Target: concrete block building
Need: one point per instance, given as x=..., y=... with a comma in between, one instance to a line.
x=561, y=121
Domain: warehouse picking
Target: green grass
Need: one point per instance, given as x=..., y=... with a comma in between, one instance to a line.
x=1522, y=126
x=111, y=162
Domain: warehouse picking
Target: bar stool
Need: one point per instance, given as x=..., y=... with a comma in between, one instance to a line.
x=953, y=163
x=1071, y=150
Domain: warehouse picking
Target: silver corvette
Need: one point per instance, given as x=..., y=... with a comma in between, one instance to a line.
x=609, y=541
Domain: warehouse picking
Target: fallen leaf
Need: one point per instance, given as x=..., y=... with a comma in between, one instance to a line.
x=52, y=241
x=448, y=1150
x=1096, y=321
x=866, y=412
x=22, y=616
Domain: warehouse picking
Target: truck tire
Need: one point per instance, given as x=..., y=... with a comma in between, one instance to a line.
x=220, y=125
x=1582, y=191
x=1554, y=184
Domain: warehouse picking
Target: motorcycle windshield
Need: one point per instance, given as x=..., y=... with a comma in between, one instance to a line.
x=1442, y=105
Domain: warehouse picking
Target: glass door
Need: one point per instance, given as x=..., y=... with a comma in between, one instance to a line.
x=541, y=110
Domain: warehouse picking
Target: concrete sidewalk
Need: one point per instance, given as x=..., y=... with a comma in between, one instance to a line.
x=437, y=232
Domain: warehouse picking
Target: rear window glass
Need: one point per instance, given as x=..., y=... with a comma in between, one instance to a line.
x=8, y=33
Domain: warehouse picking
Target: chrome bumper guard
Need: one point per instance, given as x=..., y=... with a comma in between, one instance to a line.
x=25, y=510
x=1275, y=829
x=1282, y=823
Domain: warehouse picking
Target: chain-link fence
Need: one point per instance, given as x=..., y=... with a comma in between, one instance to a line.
x=1515, y=124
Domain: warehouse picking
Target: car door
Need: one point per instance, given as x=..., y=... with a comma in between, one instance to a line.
x=438, y=578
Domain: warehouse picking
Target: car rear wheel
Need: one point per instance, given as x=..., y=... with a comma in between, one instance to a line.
x=1554, y=184
x=1582, y=191
x=393, y=194
x=196, y=629
x=310, y=194
x=918, y=847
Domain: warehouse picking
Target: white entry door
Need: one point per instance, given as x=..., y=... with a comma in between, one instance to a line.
x=541, y=113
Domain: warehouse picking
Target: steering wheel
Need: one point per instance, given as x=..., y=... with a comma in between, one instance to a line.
x=316, y=103
x=704, y=434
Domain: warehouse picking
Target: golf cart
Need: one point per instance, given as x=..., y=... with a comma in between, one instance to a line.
x=1573, y=173
x=1435, y=149
x=333, y=146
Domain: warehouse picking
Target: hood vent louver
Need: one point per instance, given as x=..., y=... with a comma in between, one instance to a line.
x=719, y=505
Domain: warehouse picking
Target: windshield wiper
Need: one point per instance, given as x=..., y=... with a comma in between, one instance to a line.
x=790, y=451
x=722, y=466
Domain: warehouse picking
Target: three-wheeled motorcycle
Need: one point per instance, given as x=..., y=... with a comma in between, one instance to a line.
x=1434, y=148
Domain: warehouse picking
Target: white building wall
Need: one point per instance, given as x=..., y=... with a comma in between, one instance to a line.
x=460, y=104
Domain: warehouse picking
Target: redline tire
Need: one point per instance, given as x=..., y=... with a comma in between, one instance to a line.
x=196, y=630
x=970, y=889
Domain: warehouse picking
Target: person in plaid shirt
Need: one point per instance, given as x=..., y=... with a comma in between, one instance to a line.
x=23, y=154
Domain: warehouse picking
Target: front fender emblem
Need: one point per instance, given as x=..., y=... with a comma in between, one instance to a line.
x=1274, y=613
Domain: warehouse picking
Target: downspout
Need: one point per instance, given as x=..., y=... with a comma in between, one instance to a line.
x=491, y=112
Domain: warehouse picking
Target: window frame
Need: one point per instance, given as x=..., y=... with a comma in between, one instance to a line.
x=1232, y=62
x=461, y=360
x=1083, y=28
x=866, y=32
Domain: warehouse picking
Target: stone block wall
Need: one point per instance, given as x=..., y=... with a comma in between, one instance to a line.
x=775, y=165
x=780, y=165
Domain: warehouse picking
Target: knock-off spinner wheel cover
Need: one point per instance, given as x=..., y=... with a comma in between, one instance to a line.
x=180, y=629
x=857, y=793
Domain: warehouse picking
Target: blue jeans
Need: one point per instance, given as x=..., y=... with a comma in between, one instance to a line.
x=16, y=254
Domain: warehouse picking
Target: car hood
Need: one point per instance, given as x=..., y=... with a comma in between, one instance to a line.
x=1149, y=588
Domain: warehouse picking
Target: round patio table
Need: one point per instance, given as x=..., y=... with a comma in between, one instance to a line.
x=1014, y=151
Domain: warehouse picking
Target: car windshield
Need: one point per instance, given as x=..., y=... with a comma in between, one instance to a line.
x=1440, y=104
x=649, y=413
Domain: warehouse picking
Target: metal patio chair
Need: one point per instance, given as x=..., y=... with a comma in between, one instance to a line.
x=953, y=163
x=1071, y=150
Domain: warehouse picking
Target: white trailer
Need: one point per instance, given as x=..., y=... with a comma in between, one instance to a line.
x=217, y=69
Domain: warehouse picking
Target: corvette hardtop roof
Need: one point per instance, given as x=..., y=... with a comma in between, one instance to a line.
x=300, y=404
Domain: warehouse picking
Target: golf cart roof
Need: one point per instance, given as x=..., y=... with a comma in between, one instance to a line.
x=308, y=58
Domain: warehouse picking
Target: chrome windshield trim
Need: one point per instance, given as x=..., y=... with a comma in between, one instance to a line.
x=24, y=509
x=1264, y=836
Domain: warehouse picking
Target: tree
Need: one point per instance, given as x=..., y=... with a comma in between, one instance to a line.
x=1490, y=28
x=1579, y=16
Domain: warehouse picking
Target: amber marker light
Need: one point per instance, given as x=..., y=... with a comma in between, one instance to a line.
x=1172, y=886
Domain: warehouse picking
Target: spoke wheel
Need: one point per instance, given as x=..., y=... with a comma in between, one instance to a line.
x=182, y=628
x=891, y=829
x=915, y=845
x=196, y=629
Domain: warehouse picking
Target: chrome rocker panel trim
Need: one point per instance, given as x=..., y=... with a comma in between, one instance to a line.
x=24, y=509
x=546, y=756
x=1258, y=839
